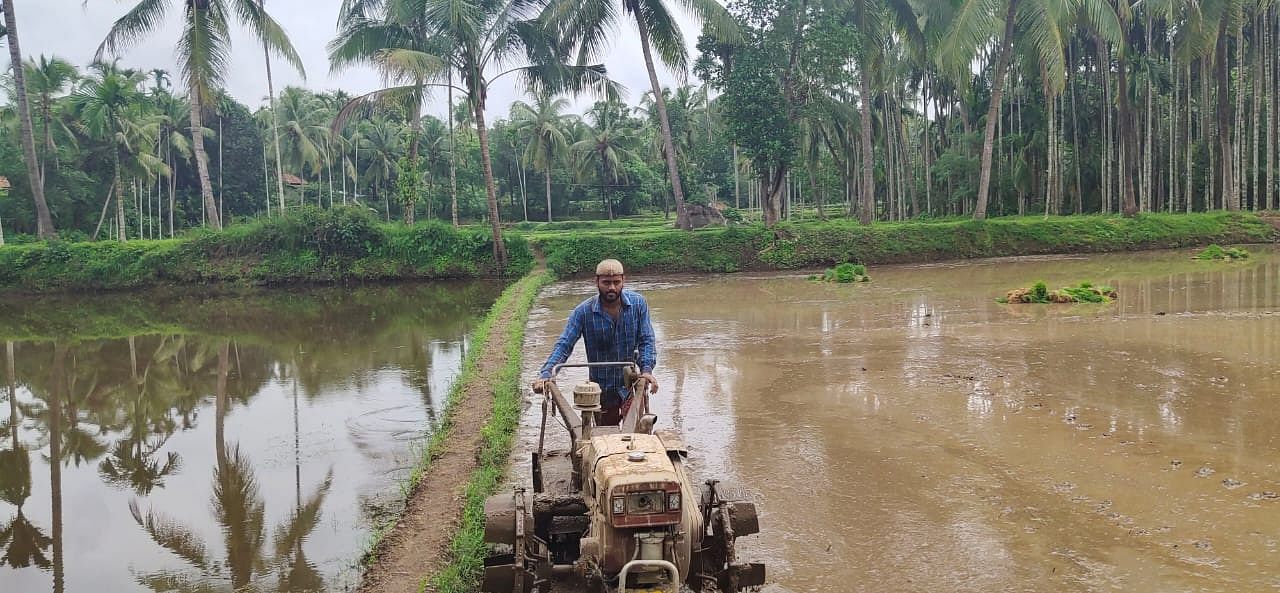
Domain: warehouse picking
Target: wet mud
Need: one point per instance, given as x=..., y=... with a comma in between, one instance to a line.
x=911, y=434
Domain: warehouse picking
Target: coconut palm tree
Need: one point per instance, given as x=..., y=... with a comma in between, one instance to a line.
x=398, y=41
x=543, y=124
x=203, y=49
x=591, y=23
x=47, y=79
x=381, y=146
x=44, y=221
x=606, y=147
x=301, y=128
x=479, y=40
x=160, y=81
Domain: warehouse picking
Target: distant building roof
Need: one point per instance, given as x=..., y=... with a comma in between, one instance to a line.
x=293, y=180
x=4, y=182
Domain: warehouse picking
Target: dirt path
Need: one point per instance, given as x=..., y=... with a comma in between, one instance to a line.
x=416, y=548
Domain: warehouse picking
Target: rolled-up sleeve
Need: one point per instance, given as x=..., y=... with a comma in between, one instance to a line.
x=564, y=345
x=647, y=343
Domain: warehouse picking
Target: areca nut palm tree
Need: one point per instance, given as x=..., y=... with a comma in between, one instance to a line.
x=202, y=50
x=1040, y=25
x=44, y=220
x=109, y=108
x=875, y=32
x=589, y=23
x=543, y=124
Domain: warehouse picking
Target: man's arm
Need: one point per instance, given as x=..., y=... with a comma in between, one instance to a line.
x=564, y=345
x=647, y=344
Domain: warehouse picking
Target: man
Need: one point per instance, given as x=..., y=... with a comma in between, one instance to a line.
x=614, y=324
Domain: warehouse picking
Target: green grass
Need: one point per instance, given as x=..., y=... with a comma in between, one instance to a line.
x=518, y=298
x=311, y=245
x=346, y=245
x=467, y=552
x=823, y=244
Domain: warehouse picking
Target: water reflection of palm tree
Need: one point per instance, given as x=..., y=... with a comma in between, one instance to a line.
x=239, y=510
x=22, y=542
x=132, y=462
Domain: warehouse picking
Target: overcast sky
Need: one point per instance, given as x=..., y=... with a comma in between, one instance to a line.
x=73, y=29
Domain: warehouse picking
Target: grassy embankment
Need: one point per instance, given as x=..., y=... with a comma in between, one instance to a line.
x=807, y=245
x=467, y=552
x=497, y=433
x=348, y=246
x=311, y=246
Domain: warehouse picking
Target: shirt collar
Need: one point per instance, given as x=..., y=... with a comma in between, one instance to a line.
x=626, y=301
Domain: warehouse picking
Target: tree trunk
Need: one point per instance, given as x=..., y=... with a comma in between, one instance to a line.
x=993, y=112
x=499, y=248
x=44, y=221
x=668, y=144
x=1075, y=138
x=55, y=458
x=1257, y=110
x=453, y=160
x=1189, y=147
x=275, y=122
x=222, y=184
x=202, y=161
x=1129, y=140
x=46, y=117
x=548, y=176
x=121, y=230
x=1104, y=56
x=1225, y=115
x=1272, y=188
x=737, y=195
x=867, y=201
x=604, y=192
x=771, y=195
x=415, y=127
x=1237, y=126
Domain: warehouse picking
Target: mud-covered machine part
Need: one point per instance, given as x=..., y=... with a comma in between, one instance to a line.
x=618, y=512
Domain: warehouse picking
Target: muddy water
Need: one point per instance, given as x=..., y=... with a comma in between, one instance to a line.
x=913, y=435
x=231, y=443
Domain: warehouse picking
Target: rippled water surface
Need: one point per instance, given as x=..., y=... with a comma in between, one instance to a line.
x=911, y=434
x=169, y=442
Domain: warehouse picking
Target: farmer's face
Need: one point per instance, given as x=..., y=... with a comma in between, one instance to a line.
x=610, y=287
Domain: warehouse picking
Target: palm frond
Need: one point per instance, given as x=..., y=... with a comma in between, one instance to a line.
x=664, y=34
x=269, y=32
x=203, y=51
x=144, y=18
x=171, y=535
x=371, y=101
x=975, y=22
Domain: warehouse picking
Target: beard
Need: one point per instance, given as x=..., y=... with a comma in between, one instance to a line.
x=609, y=296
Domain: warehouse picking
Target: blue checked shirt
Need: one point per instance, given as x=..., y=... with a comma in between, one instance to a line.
x=608, y=341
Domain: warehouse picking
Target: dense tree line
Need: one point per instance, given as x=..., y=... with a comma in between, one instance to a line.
x=879, y=109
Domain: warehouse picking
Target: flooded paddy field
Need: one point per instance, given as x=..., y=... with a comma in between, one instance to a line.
x=911, y=434
x=179, y=442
